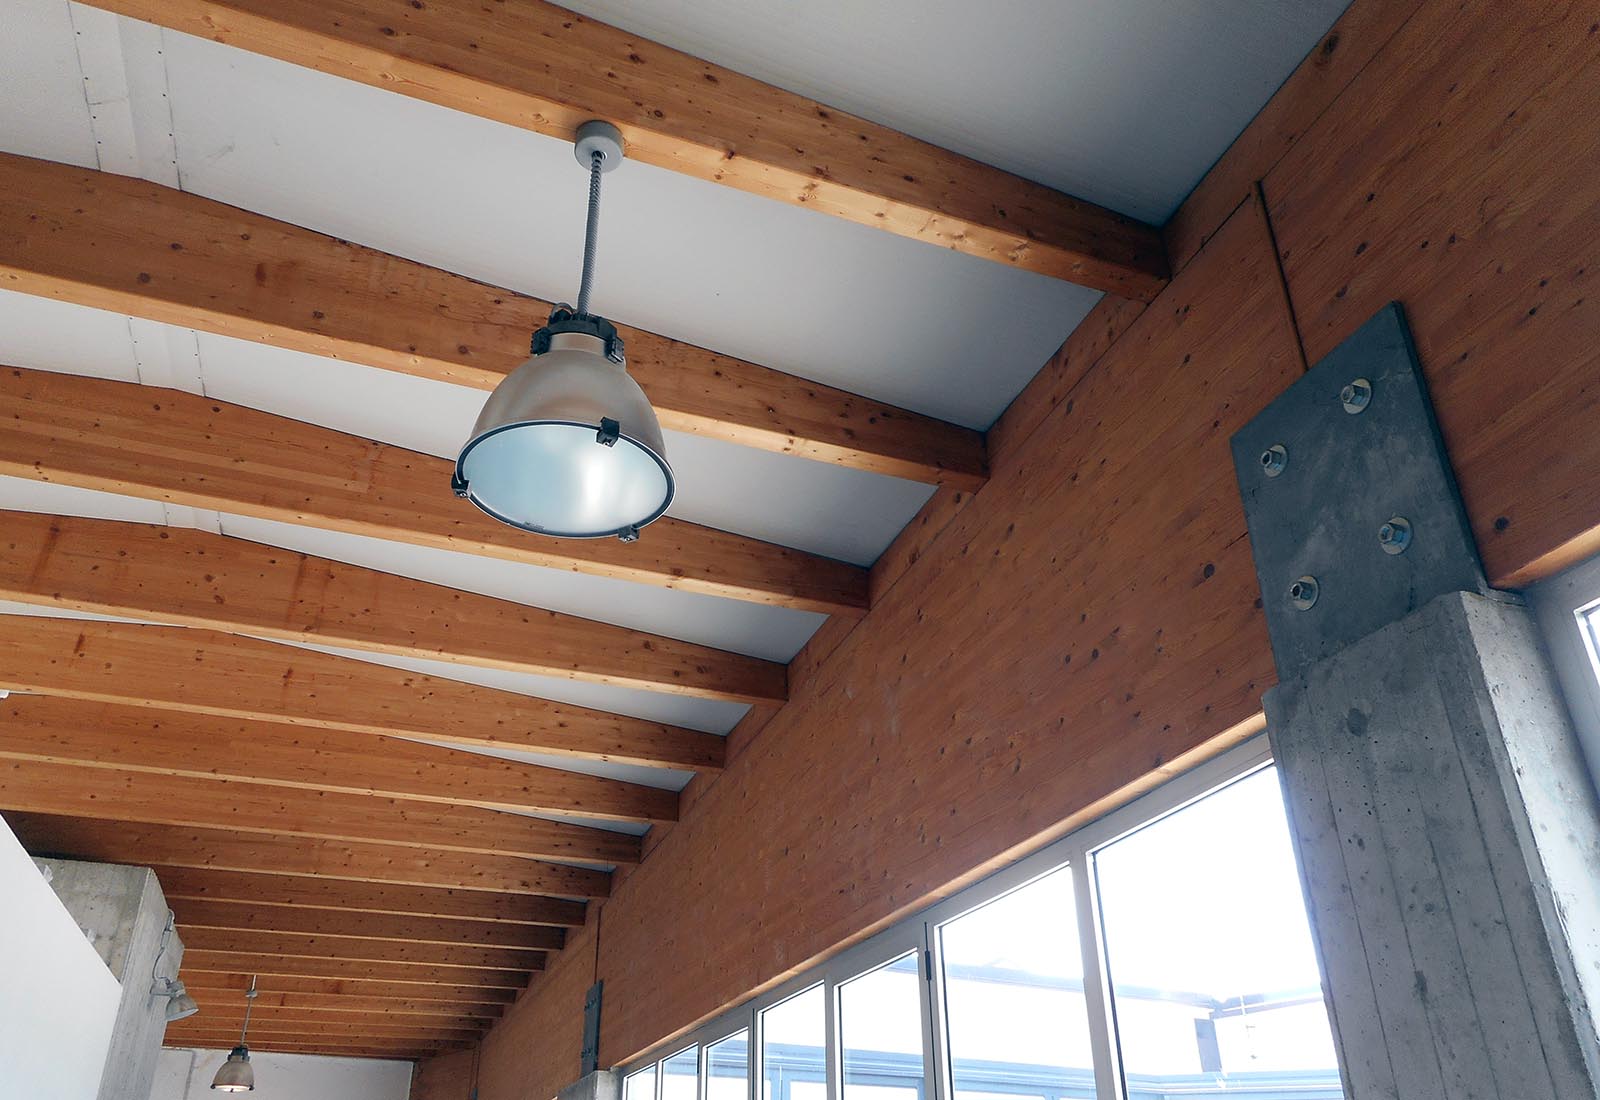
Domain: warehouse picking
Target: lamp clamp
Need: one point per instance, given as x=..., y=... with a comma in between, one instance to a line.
x=563, y=318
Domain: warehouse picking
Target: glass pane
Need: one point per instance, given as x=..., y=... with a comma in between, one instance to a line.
x=792, y=1049
x=880, y=1032
x=728, y=1068
x=1017, y=1023
x=1213, y=975
x=641, y=1085
x=680, y=1075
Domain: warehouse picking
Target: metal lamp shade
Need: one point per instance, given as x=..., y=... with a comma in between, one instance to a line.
x=181, y=1006
x=236, y=1074
x=535, y=461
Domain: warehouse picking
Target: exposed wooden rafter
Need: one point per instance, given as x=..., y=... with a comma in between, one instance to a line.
x=476, y=1000
x=541, y=67
x=236, y=677
x=211, y=990
x=137, y=738
x=372, y=926
x=367, y=950
x=222, y=884
x=143, y=845
x=106, y=794
x=175, y=447
x=139, y=248
x=196, y=578
x=423, y=977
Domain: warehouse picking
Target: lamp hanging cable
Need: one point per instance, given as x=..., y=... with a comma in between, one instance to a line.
x=591, y=230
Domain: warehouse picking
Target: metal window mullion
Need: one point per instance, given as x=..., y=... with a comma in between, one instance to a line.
x=757, y=1066
x=934, y=1076
x=1108, y=1079
x=833, y=1064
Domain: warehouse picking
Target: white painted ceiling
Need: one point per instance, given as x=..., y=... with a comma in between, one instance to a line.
x=1124, y=102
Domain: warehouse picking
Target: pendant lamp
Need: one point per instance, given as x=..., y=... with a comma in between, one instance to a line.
x=236, y=1074
x=568, y=444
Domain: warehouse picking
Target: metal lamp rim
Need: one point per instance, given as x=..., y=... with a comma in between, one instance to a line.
x=466, y=484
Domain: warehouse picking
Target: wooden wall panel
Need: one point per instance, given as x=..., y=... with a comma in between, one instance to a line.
x=533, y=1051
x=1471, y=198
x=900, y=770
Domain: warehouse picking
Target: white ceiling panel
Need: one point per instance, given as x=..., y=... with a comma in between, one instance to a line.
x=772, y=633
x=25, y=495
x=873, y=313
x=43, y=109
x=1122, y=102
x=48, y=335
x=708, y=715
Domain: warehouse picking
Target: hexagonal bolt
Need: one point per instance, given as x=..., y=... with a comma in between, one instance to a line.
x=1303, y=593
x=1274, y=459
x=1395, y=535
x=1356, y=396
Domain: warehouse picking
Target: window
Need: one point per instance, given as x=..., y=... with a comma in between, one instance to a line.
x=793, y=1048
x=1568, y=606
x=1016, y=1021
x=728, y=1067
x=1214, y=979
x=641, y=1085
x=680, y=1075
x=880, y=1032
x=1160, y=952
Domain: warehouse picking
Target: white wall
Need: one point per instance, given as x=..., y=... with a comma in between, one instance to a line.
x=58, y=1001
x=186, y=1075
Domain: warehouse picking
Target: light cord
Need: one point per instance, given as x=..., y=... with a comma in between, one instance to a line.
x=591, y=230
x=249, y=1003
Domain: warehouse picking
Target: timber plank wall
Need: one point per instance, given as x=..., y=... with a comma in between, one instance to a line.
x=1088, y=624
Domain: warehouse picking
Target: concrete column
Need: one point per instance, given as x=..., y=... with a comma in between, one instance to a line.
x=601, y=1084
x=124, y=914
x=1449, y=836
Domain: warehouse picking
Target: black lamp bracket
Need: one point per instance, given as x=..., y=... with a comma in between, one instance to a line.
x=565, y=319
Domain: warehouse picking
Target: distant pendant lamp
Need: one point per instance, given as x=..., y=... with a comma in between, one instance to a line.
x=568, y=444
x=236, y=1074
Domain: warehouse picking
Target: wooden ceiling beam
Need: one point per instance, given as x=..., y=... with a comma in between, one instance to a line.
x=546, y=69
x=309, y=1042
x=298, y=966
x=215, y=884
x=267, y=1021
x=144, y=845
x=473, y=1000
x=243, y=916
x=138, y=248
x=106, y=794
x=186, y=577
x=364, y=950
x=175, y=447
x=207, y=672
x=217, y=997
x=147, y=739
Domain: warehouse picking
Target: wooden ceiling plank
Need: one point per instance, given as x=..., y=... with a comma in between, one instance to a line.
x=187, y=577
x=379, y=1046
x=107, y=794
x=217, y=884
x=121, y=437
x=472, y=1000
x=372, y=926
x=216, y=996
x=543, y=68
x=364, y=950
x=138, y=248
x=133, y=738
x=231, y=1014
x=294, y=966
x=143, y=845
x=208, y=672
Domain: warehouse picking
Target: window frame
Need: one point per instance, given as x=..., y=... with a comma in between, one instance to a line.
x=918, y=933
x=1560, y=604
